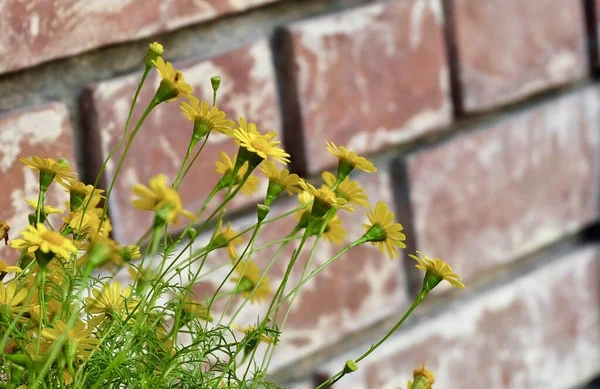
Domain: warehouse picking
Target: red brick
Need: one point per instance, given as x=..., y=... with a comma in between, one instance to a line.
x=363, y=287
x=44, y=131
x=538, y=331
x=248, y=89
x=37, y=31
x=509, y=49
x=488, y=196
x=367, y=78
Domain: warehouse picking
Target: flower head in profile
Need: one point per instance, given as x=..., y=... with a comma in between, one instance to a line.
x=250, y=283
x=334, y=232
x=436, y=270
x=4, y=228
x=10, y=298
x=279, y=181
x=159, y=196
x=80, y=193
x=206, y=119
x=173, y=84
x=80, y=341
x=225, y=166
x=88, y=219
x=47, y=210
x=5, y=268
x=349, y=160
x=382, y=231
x=256, y=147
x=40, y=238
x=347, y=189
x=324, y=200
x=50, y=170
x=422, y=379
x=111, y=300
x=193, y=309
x=226, y=236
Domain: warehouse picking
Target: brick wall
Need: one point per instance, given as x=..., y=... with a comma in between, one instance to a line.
x=482, y=116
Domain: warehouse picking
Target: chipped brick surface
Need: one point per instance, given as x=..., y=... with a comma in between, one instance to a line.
x=356, y=291
x=36, y=31
x=44, y=131
x=248, y=89
x=531, y=332
x=508, y=49
x=366, y=78
x=486, y=197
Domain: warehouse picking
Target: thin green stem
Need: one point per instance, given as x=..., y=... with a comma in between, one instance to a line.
x=342, y=373
x=113, y=180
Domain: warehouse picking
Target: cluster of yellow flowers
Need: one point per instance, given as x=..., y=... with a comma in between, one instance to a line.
x=45, y=314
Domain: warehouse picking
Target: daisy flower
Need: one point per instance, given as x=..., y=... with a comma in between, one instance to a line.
x=225, y=166
x=347, y=189
x=257, y=147
x=348, y=161
x=279, y=181
x=249, y=276
x=159, y=195
x=206, y=119
x=172, y=85
x=436, y=270
x=382, y=231
x=41, y=238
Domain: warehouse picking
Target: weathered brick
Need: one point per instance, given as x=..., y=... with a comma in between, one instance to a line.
x=36, y=31
x=366, y=78
x=538, y=331
x=490, y=195
x=509, y=49
x=44, y=131
x=363, y=287
x=248, y=89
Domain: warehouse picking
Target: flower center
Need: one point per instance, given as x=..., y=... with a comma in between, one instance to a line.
x=260, y=145
x=53, y=237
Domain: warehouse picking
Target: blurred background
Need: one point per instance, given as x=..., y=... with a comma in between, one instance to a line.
x=483, y=117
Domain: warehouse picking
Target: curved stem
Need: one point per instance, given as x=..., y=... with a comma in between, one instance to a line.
x=342, y=372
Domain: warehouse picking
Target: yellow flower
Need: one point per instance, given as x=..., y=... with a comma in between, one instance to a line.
x=335, y=232
x=194, y=309
x=382, y=231
x=250, y=330
x=249, y=276
x=48, y=209
x=206, y=119
x=40, y=238
x=79, y=194
x=438, y=270
x=225, y=167
x=88, y=224
x=9, y=296
x=159, y=195
x=173, y=85
x=324, y=199
x=348, y=189
x=58, y=170
x=117, y=255
x=4, y=268
x=257, y=144
x=423, y=379
x=348, y=160
x=226, y=237
x=110, y=300
x=4, y=228
x=80, y=342
x=279, y=180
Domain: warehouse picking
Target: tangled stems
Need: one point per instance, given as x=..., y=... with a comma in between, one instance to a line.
x=343, y=372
